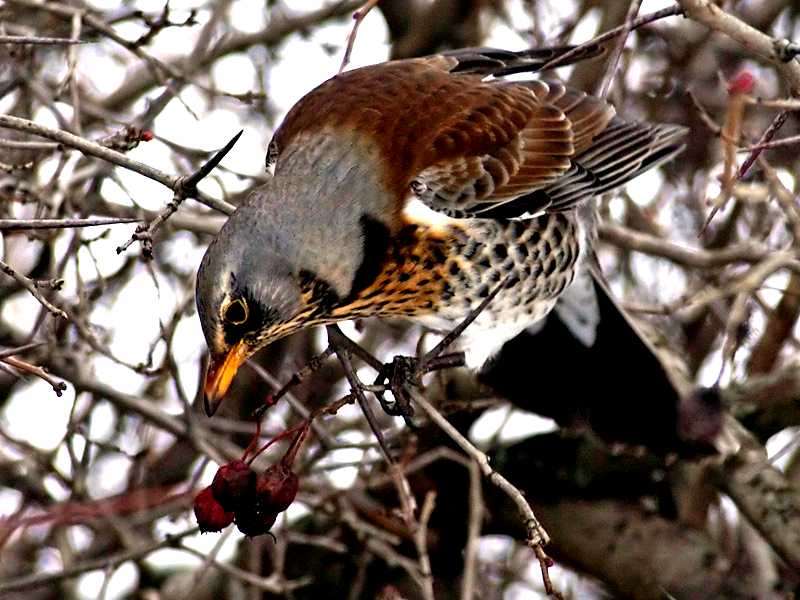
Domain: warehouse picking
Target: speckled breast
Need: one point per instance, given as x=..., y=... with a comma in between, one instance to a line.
x=534, y=259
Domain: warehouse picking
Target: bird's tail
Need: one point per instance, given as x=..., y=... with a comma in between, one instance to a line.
x=493, y=61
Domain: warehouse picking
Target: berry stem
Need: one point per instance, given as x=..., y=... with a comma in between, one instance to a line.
x=252, y=443
x=301, y=427
x=297, y=443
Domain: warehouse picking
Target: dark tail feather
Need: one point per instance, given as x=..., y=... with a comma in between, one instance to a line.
x=492, y=61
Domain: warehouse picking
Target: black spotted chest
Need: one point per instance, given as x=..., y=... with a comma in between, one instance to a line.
x=534, y=260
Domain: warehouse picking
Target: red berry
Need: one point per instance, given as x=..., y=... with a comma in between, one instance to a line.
x=146, y=135
x=234, y=484
x=210, y=514
x=253, y=522
x=742, y=83
x=276, y=488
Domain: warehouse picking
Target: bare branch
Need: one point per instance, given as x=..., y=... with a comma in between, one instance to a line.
x=35, y=40
x=626, y=28
x=765, y=497
x=28, y=582
x=29, y=285
x=183, y=187
x=619, y=46
x=59, y=387
x=112, y=156
x=762, y=45
x=358, y=17
x=537, y=536
x=747, y=252
x=28, y=224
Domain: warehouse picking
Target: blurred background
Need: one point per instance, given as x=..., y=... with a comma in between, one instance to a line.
x=661, y=468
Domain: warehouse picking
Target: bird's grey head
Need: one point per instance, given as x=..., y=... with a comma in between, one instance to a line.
x=316, y=220
x=247, y=294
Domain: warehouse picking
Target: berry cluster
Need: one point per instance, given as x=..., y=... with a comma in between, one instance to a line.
x=252, y=501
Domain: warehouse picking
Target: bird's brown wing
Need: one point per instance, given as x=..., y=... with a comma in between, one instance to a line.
x=619, y=153
x=463, y=144
x=540, y=150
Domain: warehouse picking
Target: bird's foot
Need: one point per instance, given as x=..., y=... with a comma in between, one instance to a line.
x=405, y=371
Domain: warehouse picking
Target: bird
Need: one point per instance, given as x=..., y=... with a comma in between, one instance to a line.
x=413, y=188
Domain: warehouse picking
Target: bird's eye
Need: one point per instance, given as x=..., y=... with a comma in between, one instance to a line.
x=236, y=312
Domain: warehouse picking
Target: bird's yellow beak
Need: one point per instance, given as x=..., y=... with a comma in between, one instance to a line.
x=219, y=375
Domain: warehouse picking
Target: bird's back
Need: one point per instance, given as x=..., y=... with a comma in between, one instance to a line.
x=468, y=146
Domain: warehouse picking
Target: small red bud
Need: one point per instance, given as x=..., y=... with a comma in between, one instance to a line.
x=209, y=513
x=742, y=83
x=233, y=484
x=146, y=135
x=276, y=488
x=253, y=522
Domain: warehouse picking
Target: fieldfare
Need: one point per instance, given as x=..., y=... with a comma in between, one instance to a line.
x=412, y=189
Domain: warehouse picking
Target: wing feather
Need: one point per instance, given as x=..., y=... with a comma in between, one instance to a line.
x=562, y=125
x=471, y=146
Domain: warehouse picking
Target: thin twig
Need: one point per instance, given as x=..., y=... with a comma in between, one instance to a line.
x=29, y=285
x=476, y=512
x=788, y=104
x=184, y=187
x=36, y=580
x=334, y=336
x=408, y=504
x=324, y=437
x=59, y=387
x=109, y=155
x=311, y=366
x=25, y=145
x=619, y=46
x=28, y=224
x=670, y=11
x=765, y=143
x=537, y=536
x=358, y=16
x=748, y=251
x=421, y=542
x=704, y=114
x=451, y=337
x=272, y=584
x=20, y=349
x=756, y=42
x=36, y=40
